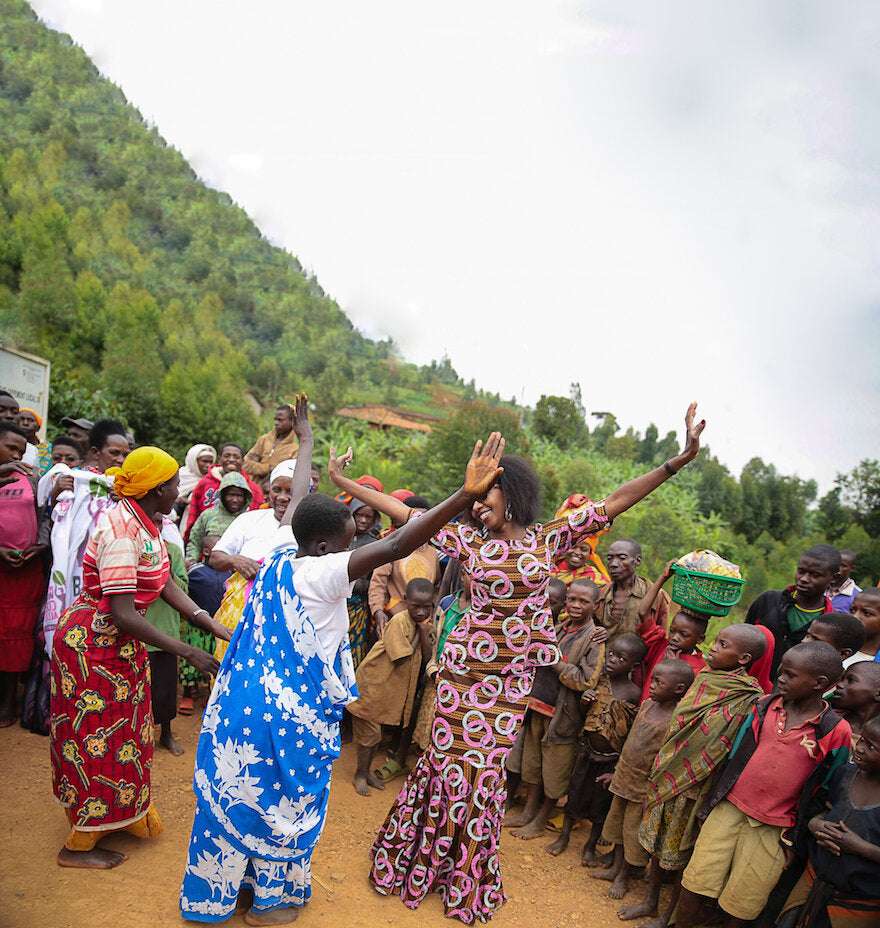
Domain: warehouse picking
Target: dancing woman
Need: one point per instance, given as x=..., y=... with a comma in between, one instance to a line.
x=442, y=832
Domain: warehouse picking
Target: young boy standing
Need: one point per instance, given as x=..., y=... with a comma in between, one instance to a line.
x=670, y=680
x=788, y=612
x=699, y=739
x=388, y=677
x=791, y=743
x=553, y=719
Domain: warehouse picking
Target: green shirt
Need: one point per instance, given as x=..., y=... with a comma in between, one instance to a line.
x=798, y=618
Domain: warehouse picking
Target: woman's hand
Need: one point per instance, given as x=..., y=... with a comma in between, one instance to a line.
x=482, y=469
x=11, y=556
x=692, y=433
x=336, y=465
x=64, y=482
x=8, y=472
x=203, y=662
x=247, y=567
x=302, y=428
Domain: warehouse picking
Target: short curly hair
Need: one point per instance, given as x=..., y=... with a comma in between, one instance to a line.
x=521, y=488
x=319, y=517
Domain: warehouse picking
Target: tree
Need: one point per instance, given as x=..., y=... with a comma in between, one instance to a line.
x=649, y=445
x=861, y=492
x=557, y=419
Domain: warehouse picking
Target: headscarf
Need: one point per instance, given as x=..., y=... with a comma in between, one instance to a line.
x=190, y=474
x=402, y=495
x=365, y=480
x=372, y=533
x=34, y=413
x=284, y=469
x=143, y=469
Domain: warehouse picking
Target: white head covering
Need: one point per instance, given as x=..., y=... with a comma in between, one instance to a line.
x=190, y=474
x=284, y=469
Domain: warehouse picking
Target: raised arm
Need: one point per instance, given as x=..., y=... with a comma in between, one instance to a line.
x=482, y=472
x=633, y=491
x=381, y=502
x=646, y=606
x=302, y=471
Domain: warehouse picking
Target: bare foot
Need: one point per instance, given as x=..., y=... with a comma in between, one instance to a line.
x=627, y=912
x=170, y=743
x=360, y=784
x=617, y=890
x=244, y=902
x=534, y=829
x=374, y=781
x=557, y=847
x=606, y=873
x=515, y=821
x=589, y=858
x=283, y=916
x=95, y=859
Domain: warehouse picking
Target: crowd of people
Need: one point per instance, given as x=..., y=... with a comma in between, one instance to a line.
x=517, y=678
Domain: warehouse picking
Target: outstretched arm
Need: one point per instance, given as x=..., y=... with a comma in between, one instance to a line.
x=302, y=471
x=633, y=491
x=482, y=472
x=381, y=502
x=646, y=606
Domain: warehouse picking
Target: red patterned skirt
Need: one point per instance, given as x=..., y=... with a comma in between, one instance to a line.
x=101, y=735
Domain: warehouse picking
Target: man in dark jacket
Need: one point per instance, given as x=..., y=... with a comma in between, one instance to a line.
x=788, y=613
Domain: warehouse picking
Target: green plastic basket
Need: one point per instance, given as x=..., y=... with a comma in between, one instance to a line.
x=706, y=593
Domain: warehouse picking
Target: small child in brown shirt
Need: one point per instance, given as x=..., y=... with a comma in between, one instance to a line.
x=387, y=678
x=670, y=680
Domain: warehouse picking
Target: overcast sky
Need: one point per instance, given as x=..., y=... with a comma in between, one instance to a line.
x=664, y=202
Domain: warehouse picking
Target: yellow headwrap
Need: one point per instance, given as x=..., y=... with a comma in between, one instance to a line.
x=143, y=469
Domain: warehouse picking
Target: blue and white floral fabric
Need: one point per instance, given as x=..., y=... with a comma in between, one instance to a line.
x=269, y=738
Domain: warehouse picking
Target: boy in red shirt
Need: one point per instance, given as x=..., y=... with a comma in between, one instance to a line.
x=787, y=748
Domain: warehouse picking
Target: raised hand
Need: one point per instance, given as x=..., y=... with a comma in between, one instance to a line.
x=692, y=433
x=337, y=465
x=302, y=428
x=482, y=469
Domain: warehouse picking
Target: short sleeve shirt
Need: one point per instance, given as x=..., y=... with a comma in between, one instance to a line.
x=323, y=587
x=256, y=535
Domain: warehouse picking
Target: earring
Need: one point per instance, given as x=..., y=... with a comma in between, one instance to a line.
x=508, y=515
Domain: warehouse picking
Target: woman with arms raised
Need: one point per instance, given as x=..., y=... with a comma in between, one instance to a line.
x=442, y=833
x=101, y=736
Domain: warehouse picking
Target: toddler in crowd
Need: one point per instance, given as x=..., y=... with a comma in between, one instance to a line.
x=388, y=677
x=700, y=737
x=553, y=719
x=611, y=708
x=857, y=695
x=669, y=681
x=790, y=745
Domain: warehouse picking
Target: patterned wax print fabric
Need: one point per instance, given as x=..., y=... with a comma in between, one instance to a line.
x=358, y=627
x=232, y=608
x=269, y=738
x=442, y=833
x=101, y=734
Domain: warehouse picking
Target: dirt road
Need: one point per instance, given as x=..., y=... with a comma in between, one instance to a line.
x=35, y=893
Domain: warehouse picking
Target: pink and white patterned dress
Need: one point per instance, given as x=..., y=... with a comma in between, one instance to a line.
x=442, y=832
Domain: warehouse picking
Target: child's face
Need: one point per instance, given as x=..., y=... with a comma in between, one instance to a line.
x=420, y=605
x=866, y=750
x=867, y=610
x=685, y=633
x=812, y=577
x=364, y=519
x=208, y=543
x=619, y=660
x=64, y=454
x=233, y=499
x=797, y=680
x=855, y=689
x=727, y=653
x=819, y=631
x=314, y=480
x=581, y=603
x=555, y=600
x=664, y=686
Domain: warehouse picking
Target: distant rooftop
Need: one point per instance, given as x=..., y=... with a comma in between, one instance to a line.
x=388, y=417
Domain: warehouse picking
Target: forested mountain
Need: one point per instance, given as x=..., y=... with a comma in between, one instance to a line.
x=157, y=298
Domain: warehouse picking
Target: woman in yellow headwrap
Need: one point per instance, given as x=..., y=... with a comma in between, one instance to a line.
x=102, y=729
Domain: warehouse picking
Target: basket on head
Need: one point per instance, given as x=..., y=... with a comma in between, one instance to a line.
x=709, y=594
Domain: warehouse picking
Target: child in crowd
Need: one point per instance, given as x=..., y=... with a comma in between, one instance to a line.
x=556, y=593
x=233, y=498
x=841, y=885
x=699, y=739
x=669, y=681
x=686, y=631
x=387, y=679
x=611, y=708
x=553, y=719
x=66, y=451
x=791, y=743
x=866, y=608
x=844, y=632
x=857, y=695
x=788, y=612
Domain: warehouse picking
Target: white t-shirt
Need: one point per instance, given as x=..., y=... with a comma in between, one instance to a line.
x=855, y=658
x=323, y=587
x=31, y=456
x=256, y=535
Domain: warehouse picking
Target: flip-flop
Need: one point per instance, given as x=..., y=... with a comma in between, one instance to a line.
x=185, y=706
x=555, y=823
x=390, y=770
x=8, y=722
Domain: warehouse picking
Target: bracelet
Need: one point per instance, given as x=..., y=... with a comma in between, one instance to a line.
x=670, y=469
x=205, y=611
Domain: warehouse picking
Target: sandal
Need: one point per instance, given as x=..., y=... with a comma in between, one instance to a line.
x=8, y=722
x=390, y=770
x=555, y=823
x=185, y=706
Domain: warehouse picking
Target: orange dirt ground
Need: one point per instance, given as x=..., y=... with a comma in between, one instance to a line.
x=34, y=891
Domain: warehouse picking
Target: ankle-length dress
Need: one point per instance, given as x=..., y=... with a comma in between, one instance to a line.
x=442, y=832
